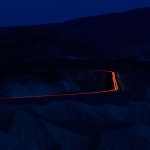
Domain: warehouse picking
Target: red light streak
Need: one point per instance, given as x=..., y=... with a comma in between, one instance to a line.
x=74, y=94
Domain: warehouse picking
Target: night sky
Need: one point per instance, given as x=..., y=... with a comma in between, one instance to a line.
x=28, y=12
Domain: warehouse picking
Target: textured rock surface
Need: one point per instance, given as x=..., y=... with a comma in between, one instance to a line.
x=109, y=121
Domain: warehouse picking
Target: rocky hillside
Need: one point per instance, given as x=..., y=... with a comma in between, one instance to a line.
x=113, y=36
x=35, y=60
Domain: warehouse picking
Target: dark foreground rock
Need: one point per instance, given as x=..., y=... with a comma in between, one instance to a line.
x=108, y=121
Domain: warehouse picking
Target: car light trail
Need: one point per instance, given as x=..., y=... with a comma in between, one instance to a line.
x=115, y=88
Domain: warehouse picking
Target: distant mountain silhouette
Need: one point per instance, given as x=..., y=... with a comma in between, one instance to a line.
x=111, y=36
x=58, y=58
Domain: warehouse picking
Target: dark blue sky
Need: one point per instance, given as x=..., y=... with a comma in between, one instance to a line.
x=26, y=12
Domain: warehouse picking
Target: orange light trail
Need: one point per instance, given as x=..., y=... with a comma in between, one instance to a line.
x=116, y=87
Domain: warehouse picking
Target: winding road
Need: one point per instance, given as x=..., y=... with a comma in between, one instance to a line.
x=114, y=79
